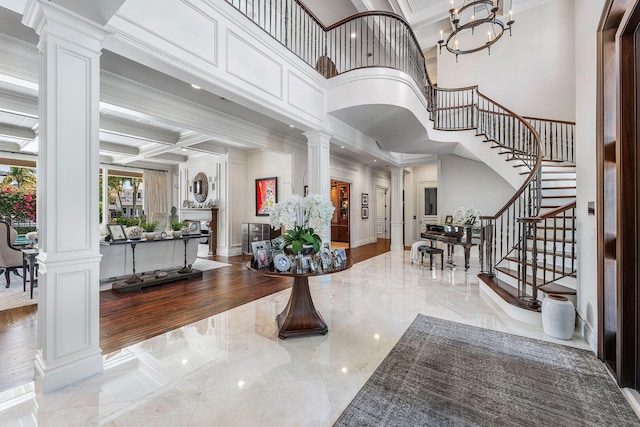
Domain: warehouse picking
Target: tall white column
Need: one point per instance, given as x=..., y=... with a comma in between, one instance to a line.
x=68, y=221
x=232, y=184
x=397, y=185
x=318, y=147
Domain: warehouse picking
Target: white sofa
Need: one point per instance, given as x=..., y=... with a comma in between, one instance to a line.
x=150, y=256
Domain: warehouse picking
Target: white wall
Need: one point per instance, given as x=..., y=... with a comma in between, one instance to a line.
x=532, y=72
x=467, y=183
x=586, y=21
x=265, y=164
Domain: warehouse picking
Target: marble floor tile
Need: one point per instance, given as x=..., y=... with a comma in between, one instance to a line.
x=232, y=370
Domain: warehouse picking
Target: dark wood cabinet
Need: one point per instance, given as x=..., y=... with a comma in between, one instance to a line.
x=340, y=197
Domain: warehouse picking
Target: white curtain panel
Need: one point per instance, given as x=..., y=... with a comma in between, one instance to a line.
x=155, y=192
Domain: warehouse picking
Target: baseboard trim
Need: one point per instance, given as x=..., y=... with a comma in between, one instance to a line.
x=587, y=332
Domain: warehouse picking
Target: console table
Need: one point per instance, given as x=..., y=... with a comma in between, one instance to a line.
x=137, y=281
x=300, y=316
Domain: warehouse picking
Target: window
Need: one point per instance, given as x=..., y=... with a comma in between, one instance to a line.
x=431, y=201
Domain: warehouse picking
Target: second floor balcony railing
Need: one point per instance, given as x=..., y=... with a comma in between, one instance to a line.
x=368, y=39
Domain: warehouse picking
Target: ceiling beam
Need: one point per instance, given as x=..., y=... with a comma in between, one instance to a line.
x=110, y=147
x=137, y=130
x=17, y=131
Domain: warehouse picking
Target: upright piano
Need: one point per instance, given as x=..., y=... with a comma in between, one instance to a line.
x=462, y=235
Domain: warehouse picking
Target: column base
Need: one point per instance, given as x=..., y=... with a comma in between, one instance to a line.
x=54, y=377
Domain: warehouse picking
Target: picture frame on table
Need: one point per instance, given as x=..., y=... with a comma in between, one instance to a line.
x=116, y=232
x=341, y=255
x=325, y=259
x=262, y=259
x=260, y=244
x=365, y=199
x=448, y=220
x=266, y=195
x=365, y=212
x=193, y=228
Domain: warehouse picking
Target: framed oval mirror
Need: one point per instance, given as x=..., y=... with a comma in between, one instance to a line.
x=200, y=187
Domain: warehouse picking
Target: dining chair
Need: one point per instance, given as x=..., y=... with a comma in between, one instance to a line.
x=10, y=256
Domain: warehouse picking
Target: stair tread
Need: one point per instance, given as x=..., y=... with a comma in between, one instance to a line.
x=560, y=196
x=547, y=266
x=549, y=288
x=506, y=292
x=557, y=253
x=555, y=240
x=569, y=187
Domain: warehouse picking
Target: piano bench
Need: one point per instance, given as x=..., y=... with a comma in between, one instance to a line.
x=432, y=251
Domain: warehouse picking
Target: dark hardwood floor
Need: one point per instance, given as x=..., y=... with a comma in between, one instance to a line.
x=130, y=318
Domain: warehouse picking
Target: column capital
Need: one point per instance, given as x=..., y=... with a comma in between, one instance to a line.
x=318, y=136
x=48, y=18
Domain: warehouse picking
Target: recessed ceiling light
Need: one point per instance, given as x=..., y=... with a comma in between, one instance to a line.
x=291, y=126
x=184, y=149
x=342, y=146
x=353, y=35
x=375, y=160
x=195, y=86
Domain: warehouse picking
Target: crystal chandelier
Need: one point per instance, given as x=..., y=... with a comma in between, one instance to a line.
x=474, y=16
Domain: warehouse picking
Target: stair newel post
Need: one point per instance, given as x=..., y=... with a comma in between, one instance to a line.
x=486, y=245
x=530, y=227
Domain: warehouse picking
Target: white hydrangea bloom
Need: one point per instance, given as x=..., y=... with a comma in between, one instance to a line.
x=466, y=215
x=313, y=211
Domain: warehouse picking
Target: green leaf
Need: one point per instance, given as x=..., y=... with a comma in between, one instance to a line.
x=296, y=246
x=316, y=246
x=308, y=238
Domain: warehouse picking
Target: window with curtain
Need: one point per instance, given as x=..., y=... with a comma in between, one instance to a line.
x=155, y=192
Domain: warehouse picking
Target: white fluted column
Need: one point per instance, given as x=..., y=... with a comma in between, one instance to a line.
x=68, y=220
x=397, y=185
x=318, y=147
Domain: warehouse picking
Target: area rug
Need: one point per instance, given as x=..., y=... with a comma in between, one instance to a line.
x=14, y=296
x=442, y=373
x=207, y=264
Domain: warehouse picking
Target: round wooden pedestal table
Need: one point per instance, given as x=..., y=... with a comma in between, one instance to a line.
x=300, y=316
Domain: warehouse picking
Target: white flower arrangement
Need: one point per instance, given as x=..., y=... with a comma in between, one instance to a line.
x=313, y=211
x=468, y=216
x=304, y=219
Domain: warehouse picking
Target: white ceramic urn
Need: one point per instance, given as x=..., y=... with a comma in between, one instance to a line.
x=558, y=317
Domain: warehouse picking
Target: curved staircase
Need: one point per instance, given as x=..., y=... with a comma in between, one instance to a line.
x=528, y=247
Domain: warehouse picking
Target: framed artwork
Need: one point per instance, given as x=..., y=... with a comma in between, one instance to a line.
x=365, y=199
x=448, y=219
x=365, y=212
x=266, y=195
x=193, y=227
x=116, y=231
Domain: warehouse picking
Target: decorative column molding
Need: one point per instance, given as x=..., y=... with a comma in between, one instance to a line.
x=318, y=144
x=105, y=196
x=68, y=220
x=397, y=186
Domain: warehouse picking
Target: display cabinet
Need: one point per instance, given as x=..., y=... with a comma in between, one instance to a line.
x=256, y=232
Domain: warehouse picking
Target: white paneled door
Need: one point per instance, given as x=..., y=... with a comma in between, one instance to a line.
x=382, y=213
